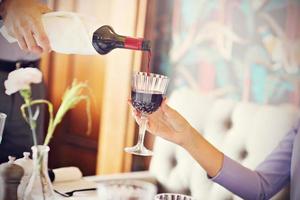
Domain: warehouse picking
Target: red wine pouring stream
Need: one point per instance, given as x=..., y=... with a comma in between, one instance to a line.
x=148, y=64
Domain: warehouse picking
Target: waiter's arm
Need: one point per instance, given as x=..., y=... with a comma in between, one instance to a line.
x=23, y=21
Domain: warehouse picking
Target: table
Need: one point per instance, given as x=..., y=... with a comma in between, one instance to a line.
x=73, y=185
x=92, y=181
x=79, y=196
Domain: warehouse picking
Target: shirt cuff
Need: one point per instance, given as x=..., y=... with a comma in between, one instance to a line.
x=224, y=164
x=229, y=168
x=231, y=175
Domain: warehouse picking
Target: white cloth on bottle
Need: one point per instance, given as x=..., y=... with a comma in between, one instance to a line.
x=68, y=32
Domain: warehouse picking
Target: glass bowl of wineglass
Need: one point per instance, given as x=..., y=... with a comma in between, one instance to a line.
x=147, y=90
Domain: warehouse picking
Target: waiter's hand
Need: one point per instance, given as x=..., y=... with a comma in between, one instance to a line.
x=22, y=19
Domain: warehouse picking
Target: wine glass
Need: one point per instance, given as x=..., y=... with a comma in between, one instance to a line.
x=147, y=90
x=2, y=123
x=173, y=196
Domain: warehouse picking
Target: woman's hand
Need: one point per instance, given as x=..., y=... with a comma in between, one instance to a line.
x=168, y=124
x=23, y=21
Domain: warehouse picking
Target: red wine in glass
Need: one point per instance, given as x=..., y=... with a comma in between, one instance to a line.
x=146, y=102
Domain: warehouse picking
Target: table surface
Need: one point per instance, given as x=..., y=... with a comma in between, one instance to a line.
x=93, y=181
x=63, y=187
x=91, y=195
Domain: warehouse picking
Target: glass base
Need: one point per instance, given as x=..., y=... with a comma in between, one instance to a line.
x=139, y=150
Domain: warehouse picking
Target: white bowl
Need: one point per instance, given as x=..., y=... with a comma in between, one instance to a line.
x=173, y=196
x=126, y=190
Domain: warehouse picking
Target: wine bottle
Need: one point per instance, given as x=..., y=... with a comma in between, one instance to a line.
x=105, y=39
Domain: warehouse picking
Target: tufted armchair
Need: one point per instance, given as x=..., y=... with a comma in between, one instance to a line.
x=246, y=132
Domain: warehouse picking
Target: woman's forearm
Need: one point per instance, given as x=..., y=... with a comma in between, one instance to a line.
x=211, y=160
x=209, y=157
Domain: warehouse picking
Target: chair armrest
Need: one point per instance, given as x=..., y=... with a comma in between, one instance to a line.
x=141, y=175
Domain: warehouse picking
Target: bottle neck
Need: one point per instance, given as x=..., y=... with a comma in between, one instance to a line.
x=105, y=40
x=136, y=43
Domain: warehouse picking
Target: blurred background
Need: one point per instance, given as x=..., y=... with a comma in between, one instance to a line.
x=244, y=50
x=248, y=47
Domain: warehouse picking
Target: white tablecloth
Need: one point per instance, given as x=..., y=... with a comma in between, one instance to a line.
x=73, y=185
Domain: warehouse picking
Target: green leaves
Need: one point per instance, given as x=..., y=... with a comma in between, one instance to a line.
x=71, y=98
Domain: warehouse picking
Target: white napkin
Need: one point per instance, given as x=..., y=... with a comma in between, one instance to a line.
x=69, y=179
x=67, y=174
x=68, y=32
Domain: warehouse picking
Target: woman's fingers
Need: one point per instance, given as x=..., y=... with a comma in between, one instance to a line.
x=156, y=120
x=158, y=126
x=168, y=111
x=136, y=115
x=134, y=112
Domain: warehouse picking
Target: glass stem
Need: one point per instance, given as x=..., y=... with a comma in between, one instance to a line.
x=142, y=130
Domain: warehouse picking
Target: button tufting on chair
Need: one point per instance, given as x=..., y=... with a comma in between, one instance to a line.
x=243, y=154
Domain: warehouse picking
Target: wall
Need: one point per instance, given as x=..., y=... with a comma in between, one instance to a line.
x=247, y=48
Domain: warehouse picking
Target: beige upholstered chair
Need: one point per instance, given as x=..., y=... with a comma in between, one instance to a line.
x=246, y=132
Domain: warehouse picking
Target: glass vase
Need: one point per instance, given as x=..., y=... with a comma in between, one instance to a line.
x=39, y=186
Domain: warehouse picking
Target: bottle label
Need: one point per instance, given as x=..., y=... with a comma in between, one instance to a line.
x=133, y=43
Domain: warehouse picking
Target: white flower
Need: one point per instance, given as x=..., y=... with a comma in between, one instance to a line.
x=21, y=79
